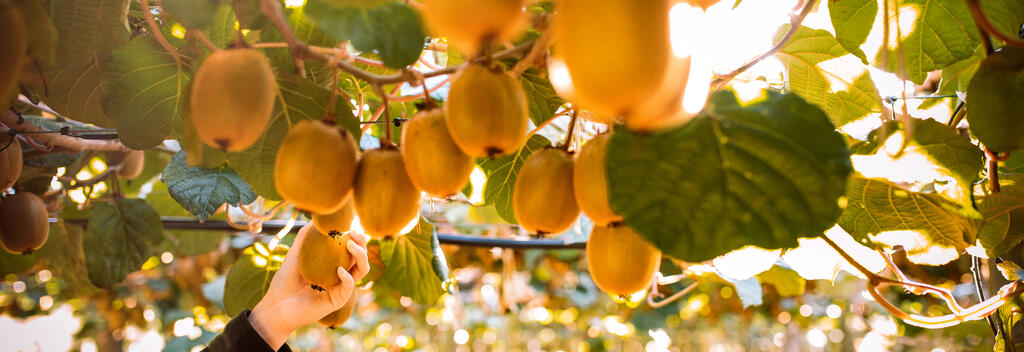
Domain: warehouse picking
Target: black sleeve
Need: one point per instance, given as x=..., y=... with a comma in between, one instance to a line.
x=239, y=335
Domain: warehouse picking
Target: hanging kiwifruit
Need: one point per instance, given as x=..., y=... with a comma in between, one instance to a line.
x=616, y=51
x=590, y=181
x=385, y=197
x=13, y=46
x=543, y=199
x=24, y=223
x=486, y=111
x=320, y=255
x=468, y=24
x=131, y=163
x=315, y=166
x=338, y=317
x=619, y=260
x=340, y=221
x=10, y=160
x=434, y=163
x=232, y=98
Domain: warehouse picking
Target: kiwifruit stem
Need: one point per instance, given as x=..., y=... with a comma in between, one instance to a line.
x=387, y=114
x=569, y=133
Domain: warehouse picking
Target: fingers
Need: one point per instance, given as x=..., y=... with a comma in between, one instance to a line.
x=362, y=264
x=341, y=293
x=358, y=238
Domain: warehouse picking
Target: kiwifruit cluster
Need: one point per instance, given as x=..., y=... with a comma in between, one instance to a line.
x=24, y=223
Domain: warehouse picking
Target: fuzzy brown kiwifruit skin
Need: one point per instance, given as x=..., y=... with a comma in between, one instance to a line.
x=24, y=223
x=340, y=221
x=590, y=181
x=434, y=163
x=338, y=317
x=543, y=199
x=320, y=255
x=13, y=46
x=467, y=24
x=315, y=166
x=131, y=163
x=232, y=98
x=486, y=112
x=619, y=260
x=385, y=197
x=10, y=160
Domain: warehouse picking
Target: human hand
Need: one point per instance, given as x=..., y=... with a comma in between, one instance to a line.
x=290, y=302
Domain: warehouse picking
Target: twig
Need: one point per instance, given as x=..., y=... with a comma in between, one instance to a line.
x=272, y=9
x=993, y=170
x=570, y=130
x=157, y=33
x=980, y=288
x=794, y=24
x=402, y=99
x=986, y=26
x=53, y=139
x=380, y=110
x=387, y=114
x=203, y=39
x=540, y=46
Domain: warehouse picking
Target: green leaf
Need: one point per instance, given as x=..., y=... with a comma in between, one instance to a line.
x=957, y=76
x=75, y=93
x=66, y=258
x=930, y=228
x=120, y=236
x=306, y=31
x=995, y=106
x=762, y=174
x=249, y=278
x=88, y=30
x=540, y=95
x=298, y=99
x=501, y=175
x=192, y=13
x=786, y=281
x=943, y=33
x=1004, y=220
x=1006, y=15
x=143, y=91
x=42, y=35
x=414, y=264
x=221, y=29
x=11, y=263
x=185, y=242
x=1014, y=164
x=202, y=191
x=393, y=30
x=852, y=20
x=802, y=55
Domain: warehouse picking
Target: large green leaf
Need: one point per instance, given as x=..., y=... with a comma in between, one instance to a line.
x=957, y=76
x=501, y=175
x=75, y=92
x=943, y=33
x=541, y=96
x=221, y=29
x=306, y=31
x=930, y=228
x=1004, y=220
x=120, y=236
x=202, y=191
x=143, y=91
x=192, y=13
x=762, y=174
x=995, y=107
x=852, y=20
x=298, y=99
x=88, y=30
x=392, y=30
x=66, y=258
x=249, y=278
x=415, y=265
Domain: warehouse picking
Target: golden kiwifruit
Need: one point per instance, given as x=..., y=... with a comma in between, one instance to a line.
x=385, y=197
x=10, y=160
x=320, y=255
x=664, y=108
x=590, y=181
x=13, y=46
x=340, y=221
x=24, y=223
x=486, y=111
x=338, y=317
x=704, y=4
x=543, y=199
x=619, y=260
x=233, y=95
x=131, y=163
x=434, y=163
x=616, y=51
x=467, y=24
x=315, y=166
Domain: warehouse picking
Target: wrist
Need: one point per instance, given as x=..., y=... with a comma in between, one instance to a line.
x=262, y=320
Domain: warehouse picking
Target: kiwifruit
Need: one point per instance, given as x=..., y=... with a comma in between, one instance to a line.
x=340, y=221
x=320, y=255
x=619, y=260
x=590, y=181
x=315, y=166
x=232, y=98
x=24, y=223
x=385, y=197
x=704, y=4
x=664, y=108
x=617, y=51
x=338, y=317
x=486, y=111
x=10, y=160
x=543, y=199
x=131, y=163
x=13, y=46
x=434, y=163
x=467, y=24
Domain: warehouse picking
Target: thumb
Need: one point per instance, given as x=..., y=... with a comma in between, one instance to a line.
x=341, y=293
